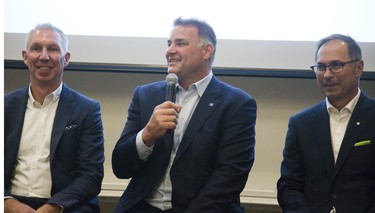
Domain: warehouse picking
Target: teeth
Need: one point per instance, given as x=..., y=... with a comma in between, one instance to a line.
x=44, y=68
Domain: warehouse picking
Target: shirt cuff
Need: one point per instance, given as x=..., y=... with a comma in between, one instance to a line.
x=62, y=208
x=144, y=151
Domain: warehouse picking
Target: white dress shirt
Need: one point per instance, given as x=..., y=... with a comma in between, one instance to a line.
x=161, y=197
x=32, y=175
x=338, y=122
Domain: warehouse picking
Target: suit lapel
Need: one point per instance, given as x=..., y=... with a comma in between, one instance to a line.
x=63, y=115
x=324, y=140
x=17, y=112
x=358, y=121
x=160, y=97
x=207, y=104
x=17, y=109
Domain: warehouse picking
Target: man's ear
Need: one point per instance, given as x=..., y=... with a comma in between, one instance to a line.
x=67, y=58
x=24, y=57
x=208, y=51
x=359, y=68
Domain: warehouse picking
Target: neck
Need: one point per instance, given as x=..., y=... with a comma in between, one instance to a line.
x=185, y=82
x=339, y=104
x=40, y=92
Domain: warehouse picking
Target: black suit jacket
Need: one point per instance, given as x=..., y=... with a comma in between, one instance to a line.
x=213, y=160
x=310, y=181
x=77, y=146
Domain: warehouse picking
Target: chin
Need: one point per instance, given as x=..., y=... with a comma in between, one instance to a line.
x=331, y=95
x=171, y=70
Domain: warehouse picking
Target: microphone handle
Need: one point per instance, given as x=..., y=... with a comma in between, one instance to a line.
x=171, y=96
x=171, y=93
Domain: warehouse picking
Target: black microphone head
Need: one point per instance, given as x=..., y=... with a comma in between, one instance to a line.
x=171, y=78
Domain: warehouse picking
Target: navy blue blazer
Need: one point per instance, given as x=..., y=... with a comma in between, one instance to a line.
x=214, y=158
x=310, y=181
x=77, y=146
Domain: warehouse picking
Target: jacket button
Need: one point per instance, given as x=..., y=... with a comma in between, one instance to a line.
x=334, y=196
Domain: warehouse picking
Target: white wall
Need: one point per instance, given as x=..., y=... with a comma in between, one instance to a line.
x=254, y=54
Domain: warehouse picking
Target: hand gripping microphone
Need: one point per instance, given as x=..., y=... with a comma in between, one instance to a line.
x=172, y=80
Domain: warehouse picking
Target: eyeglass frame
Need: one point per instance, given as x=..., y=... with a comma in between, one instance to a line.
x=339, y=68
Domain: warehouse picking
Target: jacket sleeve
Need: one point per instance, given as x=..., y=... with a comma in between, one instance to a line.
x=125, y=159
x=290, y=186
x=80, y=150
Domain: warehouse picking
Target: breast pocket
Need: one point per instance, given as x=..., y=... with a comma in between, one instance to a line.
x=362, y=156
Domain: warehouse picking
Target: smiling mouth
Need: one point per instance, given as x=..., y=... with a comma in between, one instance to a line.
x=44, y=68
x=329, y=86
x=171, y=61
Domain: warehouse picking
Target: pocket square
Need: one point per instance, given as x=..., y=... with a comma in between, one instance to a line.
x=363, y=143
x=70, y=127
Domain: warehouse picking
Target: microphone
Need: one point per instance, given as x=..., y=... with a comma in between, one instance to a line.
x=172, y=80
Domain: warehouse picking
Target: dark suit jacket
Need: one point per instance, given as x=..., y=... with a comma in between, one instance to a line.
x=77, y=152
x=310, y=181
x=214, y=157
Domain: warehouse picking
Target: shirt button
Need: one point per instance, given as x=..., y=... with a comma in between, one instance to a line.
x=334, y=196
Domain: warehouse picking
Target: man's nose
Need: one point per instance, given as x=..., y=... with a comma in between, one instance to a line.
x=44, y=55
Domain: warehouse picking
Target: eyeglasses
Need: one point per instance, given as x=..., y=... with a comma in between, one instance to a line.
x=334, y=67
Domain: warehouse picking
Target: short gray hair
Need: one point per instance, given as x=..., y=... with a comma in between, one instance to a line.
x=205, y=32
x=50, y=27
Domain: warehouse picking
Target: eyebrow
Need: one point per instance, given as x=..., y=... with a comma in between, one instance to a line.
x=334, y=61
x=177, y=40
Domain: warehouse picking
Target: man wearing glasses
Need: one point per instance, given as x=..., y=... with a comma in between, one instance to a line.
x=329, y=154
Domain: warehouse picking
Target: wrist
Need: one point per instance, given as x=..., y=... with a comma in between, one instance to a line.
x=51, y=207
